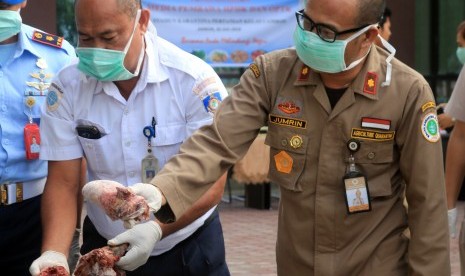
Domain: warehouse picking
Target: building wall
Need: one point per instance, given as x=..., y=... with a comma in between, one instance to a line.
x=403, y=29
x=41, y=14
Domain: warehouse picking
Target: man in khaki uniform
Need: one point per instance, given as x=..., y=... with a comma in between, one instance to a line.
x=342, y=115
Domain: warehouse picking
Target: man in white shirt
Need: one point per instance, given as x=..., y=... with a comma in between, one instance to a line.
x=133, y=96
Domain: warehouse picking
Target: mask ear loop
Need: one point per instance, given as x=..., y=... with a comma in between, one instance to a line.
x=141, y=58
x=142, y=52
x=126, y=48
x=392, y=52
x=357, y=62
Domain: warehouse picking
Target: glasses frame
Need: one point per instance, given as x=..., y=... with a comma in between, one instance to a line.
x=313, y=25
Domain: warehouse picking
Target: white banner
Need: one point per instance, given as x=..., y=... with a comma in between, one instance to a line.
x=226, y=33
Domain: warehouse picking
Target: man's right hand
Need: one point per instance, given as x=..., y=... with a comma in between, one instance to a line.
x=452, y=216
x=48, y=259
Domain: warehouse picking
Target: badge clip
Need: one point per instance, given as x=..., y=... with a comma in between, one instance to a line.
x=150, y=165
x=31, y=133
x=355, y=183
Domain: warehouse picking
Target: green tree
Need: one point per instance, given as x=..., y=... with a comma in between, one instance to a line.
x=65, y=21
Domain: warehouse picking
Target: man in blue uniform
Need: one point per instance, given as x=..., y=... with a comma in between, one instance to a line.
x=29, y=58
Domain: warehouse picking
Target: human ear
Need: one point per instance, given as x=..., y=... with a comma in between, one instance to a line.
x=144, y=20
x=370, y=37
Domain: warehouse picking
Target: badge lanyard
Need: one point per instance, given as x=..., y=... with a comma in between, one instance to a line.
x=355, y=183
x=31, y=133
x=150, y=166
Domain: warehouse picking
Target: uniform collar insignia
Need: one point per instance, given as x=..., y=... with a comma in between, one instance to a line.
x=371, y=83
x=304, y=73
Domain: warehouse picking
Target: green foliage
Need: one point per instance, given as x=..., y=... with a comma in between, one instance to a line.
x=65, y=21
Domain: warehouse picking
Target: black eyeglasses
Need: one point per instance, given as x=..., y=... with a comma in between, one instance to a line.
x=325, y=32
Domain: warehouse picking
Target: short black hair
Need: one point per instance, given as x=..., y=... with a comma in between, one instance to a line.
x=370, y=11
x=387, y=14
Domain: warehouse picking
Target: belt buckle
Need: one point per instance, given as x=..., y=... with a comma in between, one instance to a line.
x=19, y=191
x=4, y=194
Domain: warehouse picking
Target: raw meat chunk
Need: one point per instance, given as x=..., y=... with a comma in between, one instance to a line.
x=101, y=262
x=54, y=271
x=119, y=202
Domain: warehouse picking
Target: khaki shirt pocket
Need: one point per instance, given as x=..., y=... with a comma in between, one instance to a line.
x=375, y=160
x=288, y=154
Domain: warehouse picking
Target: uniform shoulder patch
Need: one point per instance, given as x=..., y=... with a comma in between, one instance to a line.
x=427, y=106
x=212, y=101
x=48, y=39
x=254, y=68
x=430, y=127
x=53, y=97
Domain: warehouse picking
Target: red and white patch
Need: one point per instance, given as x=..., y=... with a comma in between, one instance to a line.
x=376, y=123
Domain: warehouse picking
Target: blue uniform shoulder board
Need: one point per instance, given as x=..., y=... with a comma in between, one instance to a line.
x=48, y=39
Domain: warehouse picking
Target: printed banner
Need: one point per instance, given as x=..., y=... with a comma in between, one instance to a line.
x=226, y=33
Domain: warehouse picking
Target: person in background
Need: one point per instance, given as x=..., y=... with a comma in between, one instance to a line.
x=385, y=25
x=126, y=106
x=29, y=59
x=455, y=155
x=360, y=119
x=447, y=121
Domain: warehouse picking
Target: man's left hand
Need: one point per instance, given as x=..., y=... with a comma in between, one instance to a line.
x=141, y=239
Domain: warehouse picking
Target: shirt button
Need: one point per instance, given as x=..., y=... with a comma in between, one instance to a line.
x=6, y=141
x=1, y=74
x=4, y=108
x=284, y=142
x=7, y=170
x=127, y=144
x=371, y=155
x=126, y=111
x=132, y=174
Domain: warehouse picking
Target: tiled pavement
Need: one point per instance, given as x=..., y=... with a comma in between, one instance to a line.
x=250, y=236
x=454, y=248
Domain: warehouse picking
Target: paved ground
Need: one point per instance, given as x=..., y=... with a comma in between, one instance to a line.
x=255, y=231
x=454, y=248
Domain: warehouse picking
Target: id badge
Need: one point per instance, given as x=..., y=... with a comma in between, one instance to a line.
x=32, y=141
x=150, y=168
x=356, y=193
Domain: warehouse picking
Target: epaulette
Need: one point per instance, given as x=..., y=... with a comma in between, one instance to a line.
x=48, y=39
